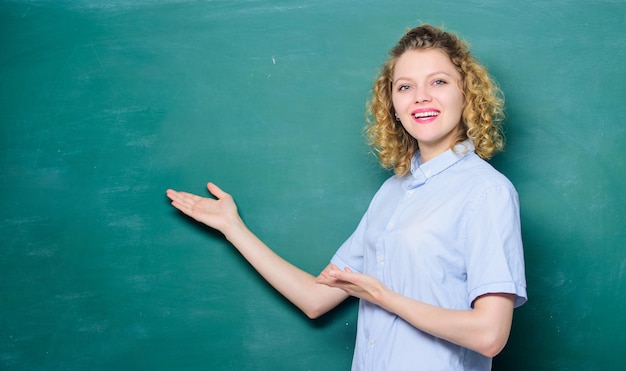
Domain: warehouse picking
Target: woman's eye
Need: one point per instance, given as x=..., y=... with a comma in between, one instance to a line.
x=404, y=87
x=439, y=82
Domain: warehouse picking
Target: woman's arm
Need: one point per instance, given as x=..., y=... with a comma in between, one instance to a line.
x=484, y=329
x=296, y=285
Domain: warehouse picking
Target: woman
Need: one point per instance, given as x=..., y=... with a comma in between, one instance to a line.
x=437, y=259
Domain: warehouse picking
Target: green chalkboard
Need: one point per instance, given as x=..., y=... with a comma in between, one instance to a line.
x=105, y=104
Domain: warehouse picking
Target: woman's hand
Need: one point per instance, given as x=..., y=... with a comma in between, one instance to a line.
x=219, y=213
x=360, y=285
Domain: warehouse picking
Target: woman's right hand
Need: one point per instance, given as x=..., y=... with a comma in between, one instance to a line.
x=218, y=213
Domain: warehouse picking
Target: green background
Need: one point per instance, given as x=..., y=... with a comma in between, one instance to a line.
x=105, y=104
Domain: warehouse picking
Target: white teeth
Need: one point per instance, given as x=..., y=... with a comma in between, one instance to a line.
x=425, y=114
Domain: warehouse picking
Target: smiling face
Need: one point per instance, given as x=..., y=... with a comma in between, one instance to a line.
x=427, y=98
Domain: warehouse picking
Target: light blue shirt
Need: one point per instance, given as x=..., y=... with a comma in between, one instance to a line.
x=445, y=234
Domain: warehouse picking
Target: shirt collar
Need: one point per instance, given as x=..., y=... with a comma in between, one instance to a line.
x=420, y=173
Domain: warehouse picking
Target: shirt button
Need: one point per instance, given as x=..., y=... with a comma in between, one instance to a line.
x=372, y=342
x=390, y=225
x=381, y=259
x=409, y=193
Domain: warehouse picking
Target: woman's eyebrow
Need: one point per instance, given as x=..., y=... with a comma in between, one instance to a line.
x=438, y=72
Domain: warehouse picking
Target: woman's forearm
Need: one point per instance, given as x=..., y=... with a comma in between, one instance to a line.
x=298, y=286
x=484, y=329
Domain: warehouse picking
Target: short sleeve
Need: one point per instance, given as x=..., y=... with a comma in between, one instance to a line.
x=494, y=251
x=351, y=252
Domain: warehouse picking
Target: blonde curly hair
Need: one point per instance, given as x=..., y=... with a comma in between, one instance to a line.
x=481, y=117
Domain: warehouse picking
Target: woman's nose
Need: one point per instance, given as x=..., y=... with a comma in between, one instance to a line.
x=421, y=95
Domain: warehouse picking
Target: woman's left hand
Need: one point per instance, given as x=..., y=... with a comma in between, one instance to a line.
x=360, y=285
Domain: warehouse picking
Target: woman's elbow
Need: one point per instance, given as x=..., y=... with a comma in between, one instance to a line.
x=315, y=311
x=493, y=343
x=496, y=317
x=313, y=315
x=318, y=305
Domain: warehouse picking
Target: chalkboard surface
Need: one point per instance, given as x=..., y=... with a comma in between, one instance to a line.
x=105, y=104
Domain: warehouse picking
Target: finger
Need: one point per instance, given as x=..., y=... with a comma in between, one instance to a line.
x=182, y=206
x=175, y=195
x=185, y=200
x=325, y=274
x=170, y=193
x=322, y=279
x=332, y=269
x=330, y=282
x=336, y=272
x=215, y=190
x=188, y=197
x=346, y=277
x=177, y=198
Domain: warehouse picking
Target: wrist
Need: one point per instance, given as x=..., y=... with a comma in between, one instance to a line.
x=233, y=228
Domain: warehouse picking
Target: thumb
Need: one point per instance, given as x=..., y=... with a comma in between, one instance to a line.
x=215, y=190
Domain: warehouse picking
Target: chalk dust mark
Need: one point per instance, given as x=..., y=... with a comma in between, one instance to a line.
x=75, y=296
x=44, y=252
x=26, y=12
x=98, y=58
x=94, y=328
